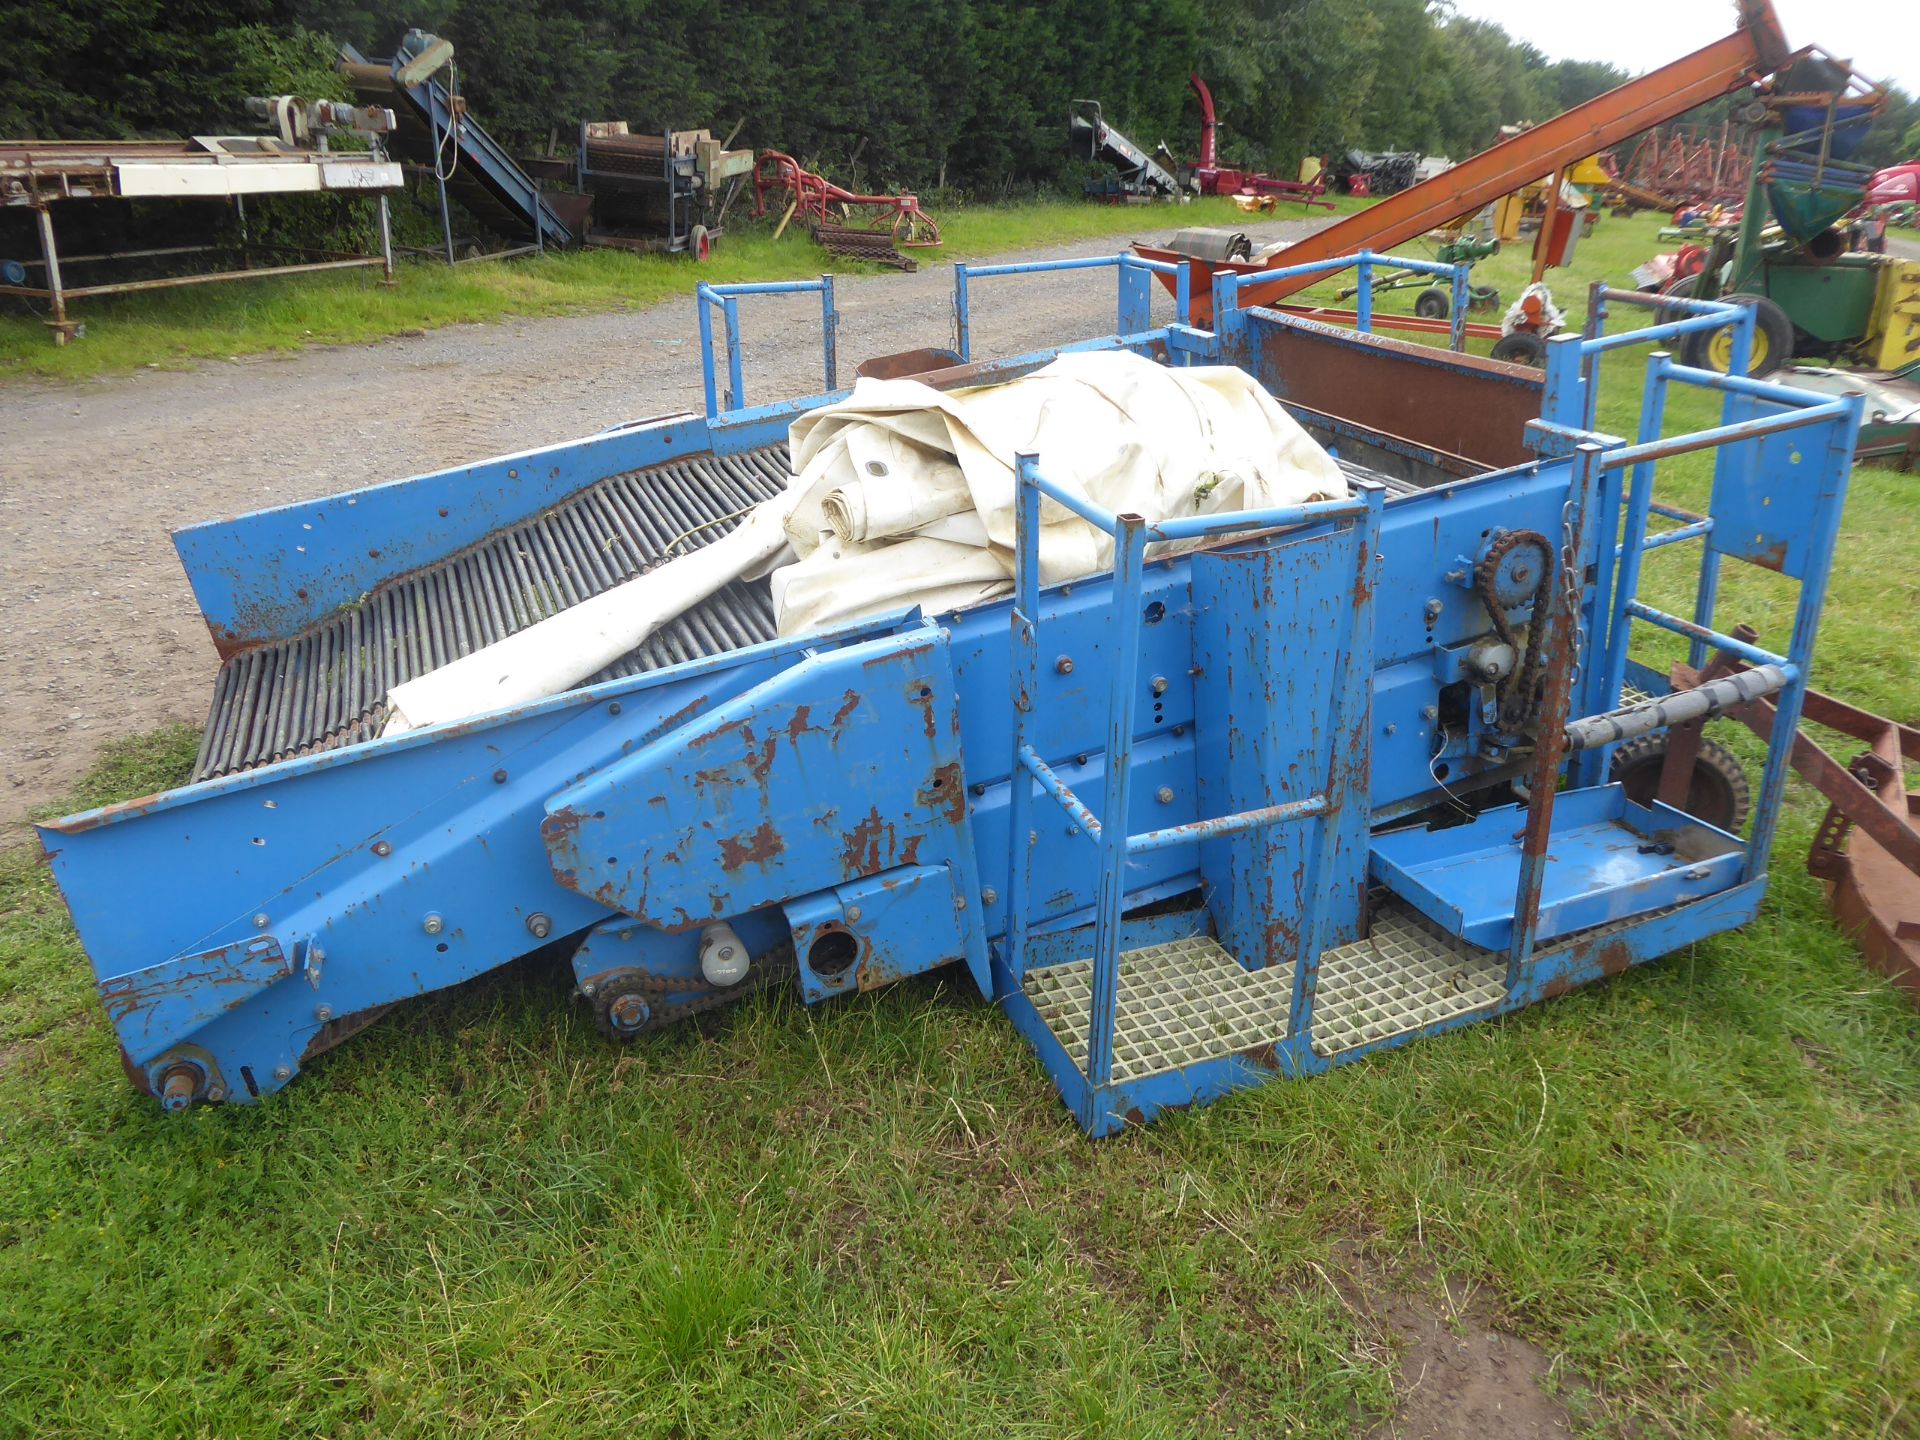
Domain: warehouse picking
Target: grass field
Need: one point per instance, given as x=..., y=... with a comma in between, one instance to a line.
x=1695, y=1186
x=173, y=328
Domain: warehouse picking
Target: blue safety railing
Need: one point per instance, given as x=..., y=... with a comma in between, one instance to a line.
x=726, y=298
x=1133, y=310
x=1364, y=264
x=1107, y=830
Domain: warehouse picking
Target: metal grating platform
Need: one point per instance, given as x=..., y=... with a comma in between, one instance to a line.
x=327, y=686
x=1177, y=1004
x=1404, y=977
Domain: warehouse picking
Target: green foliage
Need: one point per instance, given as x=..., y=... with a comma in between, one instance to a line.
x=969, y=94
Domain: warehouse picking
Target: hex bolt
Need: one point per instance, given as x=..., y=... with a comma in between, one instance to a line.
x=283, y=1072
x=260, y=921
x=629, y=1012
x=853, y=915
x=1164, y=794
x=959, y=902
x=323, y=1013
x=589, y=989
x=1073, y=829
x=1391, y=727
x=613, y=707
x=1434, y=607
x=382, y=848
x=1159, y=685
x=989, y=896
x=1063, y=666
x=215, y=1095
x=500, y=777
x=1430, y=712
x=433, y=924
x=539, y=926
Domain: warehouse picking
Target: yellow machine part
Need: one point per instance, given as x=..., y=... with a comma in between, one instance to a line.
x=1507, y=211
x=1590, y=172
x=1893, y=335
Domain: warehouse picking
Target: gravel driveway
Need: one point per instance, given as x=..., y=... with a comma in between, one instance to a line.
x=102, y=635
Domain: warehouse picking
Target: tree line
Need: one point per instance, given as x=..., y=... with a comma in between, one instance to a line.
x=966, y=94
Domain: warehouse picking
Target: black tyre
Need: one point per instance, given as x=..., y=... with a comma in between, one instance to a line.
x=1686, y=287
x=1433, y=303
x=1718, y=792
x=1772, y=340
x=1522, y=347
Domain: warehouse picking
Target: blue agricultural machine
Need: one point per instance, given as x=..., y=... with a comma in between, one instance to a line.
x=1338, y=777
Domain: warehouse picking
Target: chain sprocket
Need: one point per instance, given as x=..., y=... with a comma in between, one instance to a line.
x=1519, y=693
x=668, y=999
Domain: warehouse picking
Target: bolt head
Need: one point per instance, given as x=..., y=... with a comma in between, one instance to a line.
x=382, y=848
x=499, y=777
x=989, y=896
x=1430, y=712
x=1164, y=794
x=539, y=926
x=853, y=915
x=216, y=1094
x=323, y=1013
x=283, y=1072
x=433, y=925
x=589, y=990
x=1159, y=684
x=629, y=1012
x=260, y=922
x=1064, y=665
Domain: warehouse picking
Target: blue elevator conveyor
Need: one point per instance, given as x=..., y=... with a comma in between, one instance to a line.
x=1324, y=779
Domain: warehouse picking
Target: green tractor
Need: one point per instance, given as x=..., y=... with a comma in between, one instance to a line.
x=1813, y=297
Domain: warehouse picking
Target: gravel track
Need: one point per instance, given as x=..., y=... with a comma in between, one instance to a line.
x=102, y=635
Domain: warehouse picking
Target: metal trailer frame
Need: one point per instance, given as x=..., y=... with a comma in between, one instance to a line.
x=1184, y=855
x=40, y=174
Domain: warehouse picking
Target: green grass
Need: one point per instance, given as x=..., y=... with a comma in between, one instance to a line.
x=1695, y=1186
x=176, y=328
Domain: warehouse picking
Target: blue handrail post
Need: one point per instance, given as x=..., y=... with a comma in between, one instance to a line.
x=1026, y=604
x=1363, y=312
x=1129, y=553
x=704, y=301
x=1707, y=597
x=1457, y=317
x=829, y=323
x=736, y=388
x=962, y=316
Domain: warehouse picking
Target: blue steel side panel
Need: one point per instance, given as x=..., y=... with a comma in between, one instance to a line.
x=843, y=766
x=1275, y=637
x=902, y=922
x=1768, y=493
x=151, y=1008
x=272, y=573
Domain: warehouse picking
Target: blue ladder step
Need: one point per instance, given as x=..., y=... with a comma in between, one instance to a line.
x=1607, y=859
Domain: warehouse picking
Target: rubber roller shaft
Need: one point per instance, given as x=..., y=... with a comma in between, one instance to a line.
x=1702, y=703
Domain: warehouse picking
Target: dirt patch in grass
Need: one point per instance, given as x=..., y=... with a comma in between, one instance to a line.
x=1460, y=1376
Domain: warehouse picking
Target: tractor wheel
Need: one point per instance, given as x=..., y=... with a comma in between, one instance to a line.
x=1772, y=340
x=1522, y=347
x=1717, y=792
x=1433, y=303
x=1685, y=288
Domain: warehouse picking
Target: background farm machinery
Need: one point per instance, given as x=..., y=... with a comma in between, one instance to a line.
x=1272, y=791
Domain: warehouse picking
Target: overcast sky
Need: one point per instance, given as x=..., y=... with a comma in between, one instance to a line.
x=1881, y=37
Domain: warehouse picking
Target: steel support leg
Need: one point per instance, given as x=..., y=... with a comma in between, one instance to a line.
x=56, y=292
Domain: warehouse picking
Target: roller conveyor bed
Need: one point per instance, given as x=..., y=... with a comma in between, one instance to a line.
x=327, y=686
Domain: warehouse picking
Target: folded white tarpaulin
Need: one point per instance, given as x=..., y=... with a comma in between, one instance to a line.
x=562, y=650
x=906, y=492
x=904, y=496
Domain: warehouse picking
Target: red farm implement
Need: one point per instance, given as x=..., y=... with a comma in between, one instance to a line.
x=782, y=183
